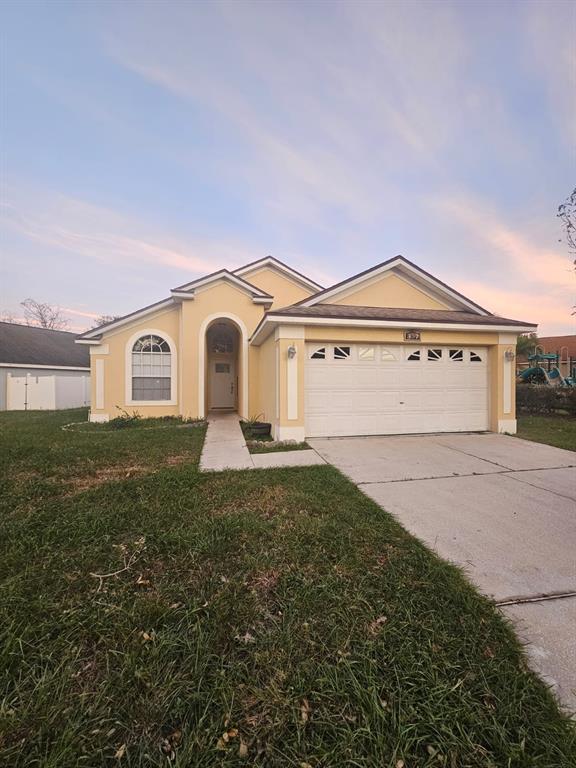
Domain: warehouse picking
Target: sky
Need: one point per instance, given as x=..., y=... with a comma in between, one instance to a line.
x=144, y=144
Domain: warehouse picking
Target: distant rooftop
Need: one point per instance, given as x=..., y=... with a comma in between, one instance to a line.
x=28, y=345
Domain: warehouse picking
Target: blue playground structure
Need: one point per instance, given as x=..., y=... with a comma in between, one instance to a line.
x=545, y=370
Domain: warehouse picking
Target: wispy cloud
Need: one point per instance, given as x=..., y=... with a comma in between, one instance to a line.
x=96, y=232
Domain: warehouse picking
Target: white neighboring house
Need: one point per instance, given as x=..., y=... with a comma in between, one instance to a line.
x=42, y=369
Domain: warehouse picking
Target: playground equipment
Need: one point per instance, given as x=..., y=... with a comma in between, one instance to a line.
x=545, y=370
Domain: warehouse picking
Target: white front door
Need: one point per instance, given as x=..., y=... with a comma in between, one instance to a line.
x=222, y=384
x=377, y=389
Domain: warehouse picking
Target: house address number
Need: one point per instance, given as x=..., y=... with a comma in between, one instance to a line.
x=411, y=335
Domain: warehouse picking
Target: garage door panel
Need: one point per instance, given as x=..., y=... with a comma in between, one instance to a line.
x=395, y=395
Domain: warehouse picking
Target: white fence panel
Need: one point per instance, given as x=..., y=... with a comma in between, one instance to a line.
x=72, y=391
x=27, y=393
x=46, y=393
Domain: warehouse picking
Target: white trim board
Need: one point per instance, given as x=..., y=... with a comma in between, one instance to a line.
x=283, y=269
x=43, y=367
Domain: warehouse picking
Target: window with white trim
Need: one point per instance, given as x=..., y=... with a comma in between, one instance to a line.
x=387, y=354
x=366, y=353
x=414, y=355
x=475, y=357
x=457, y=355
x=318, y=354
x=434, y=354
x=341, y=353
x=151, y=369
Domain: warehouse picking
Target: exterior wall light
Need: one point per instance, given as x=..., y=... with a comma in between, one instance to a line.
x=509, y=354
x=291, y=351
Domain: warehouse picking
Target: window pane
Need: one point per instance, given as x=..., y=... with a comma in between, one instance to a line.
x=147, y=388
x=434, y=354
x=457, y=355
x=414, y=355
x=365, y=353
x=388, y=355
x=319, y=354
x=341, y=353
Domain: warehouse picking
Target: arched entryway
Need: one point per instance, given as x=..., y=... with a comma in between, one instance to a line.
x=222, y=344
x=223, y=365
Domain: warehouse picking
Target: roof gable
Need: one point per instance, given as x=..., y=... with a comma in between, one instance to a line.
x=283, y=269
x=428, y=291
x=187, y=290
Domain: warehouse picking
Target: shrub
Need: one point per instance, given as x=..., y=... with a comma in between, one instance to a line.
x=125, y=419
x=544, y=400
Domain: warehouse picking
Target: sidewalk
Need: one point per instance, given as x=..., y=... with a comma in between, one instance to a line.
x=225, y=448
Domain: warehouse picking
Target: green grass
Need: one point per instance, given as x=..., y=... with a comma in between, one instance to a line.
x=267, y=618
x=559, y=431
x=265, y=448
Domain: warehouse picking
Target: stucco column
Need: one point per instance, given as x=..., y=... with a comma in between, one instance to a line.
x=291, y=358
x=188, y=370
x=503, y=385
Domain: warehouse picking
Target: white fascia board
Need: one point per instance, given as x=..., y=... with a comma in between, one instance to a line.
x=262, y=300
x=270, y=262
x=222, y=275
x=186, y=295
x=49, y=367
x=85, y=339
x=442, y=289
x=89, y=342
x=269, y=324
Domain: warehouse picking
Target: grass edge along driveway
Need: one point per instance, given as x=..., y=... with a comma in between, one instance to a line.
x=262, y=618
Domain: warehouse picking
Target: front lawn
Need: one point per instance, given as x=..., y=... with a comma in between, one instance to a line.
x=559, y=431
x=151, y=615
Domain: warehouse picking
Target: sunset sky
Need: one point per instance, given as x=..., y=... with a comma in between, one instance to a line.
x=146, y=143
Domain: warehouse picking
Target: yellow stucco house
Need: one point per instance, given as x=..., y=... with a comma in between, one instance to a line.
x=391, y=350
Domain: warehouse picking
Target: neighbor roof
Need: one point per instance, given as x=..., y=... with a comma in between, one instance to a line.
x=27, y=345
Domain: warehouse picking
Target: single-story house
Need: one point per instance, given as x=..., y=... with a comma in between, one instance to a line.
x=390, y=350
x=28, y=352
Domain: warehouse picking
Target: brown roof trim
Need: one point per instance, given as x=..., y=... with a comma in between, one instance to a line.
x=399, y=314
x=383, y=264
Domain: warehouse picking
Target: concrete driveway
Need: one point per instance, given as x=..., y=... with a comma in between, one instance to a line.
x=502, y=508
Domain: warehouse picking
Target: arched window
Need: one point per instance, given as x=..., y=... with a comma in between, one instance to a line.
x=151, y=369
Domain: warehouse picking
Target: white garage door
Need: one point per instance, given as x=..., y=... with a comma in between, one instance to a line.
x=356, y=389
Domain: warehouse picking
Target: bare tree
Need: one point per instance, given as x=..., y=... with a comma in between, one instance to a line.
x=567, y=215
x=104, y=320
x=44, y=315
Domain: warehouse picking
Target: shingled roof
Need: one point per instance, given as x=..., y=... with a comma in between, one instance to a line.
x=349, y=312
x=27, y=345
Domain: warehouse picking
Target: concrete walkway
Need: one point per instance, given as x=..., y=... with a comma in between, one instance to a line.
x=225, y=448
x=502, y=508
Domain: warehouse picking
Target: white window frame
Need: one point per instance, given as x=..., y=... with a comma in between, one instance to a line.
x=411, y=351
x=366, y=348
x=322, y=348
x=128, y=369
x=349, y=347
x=388, y=355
